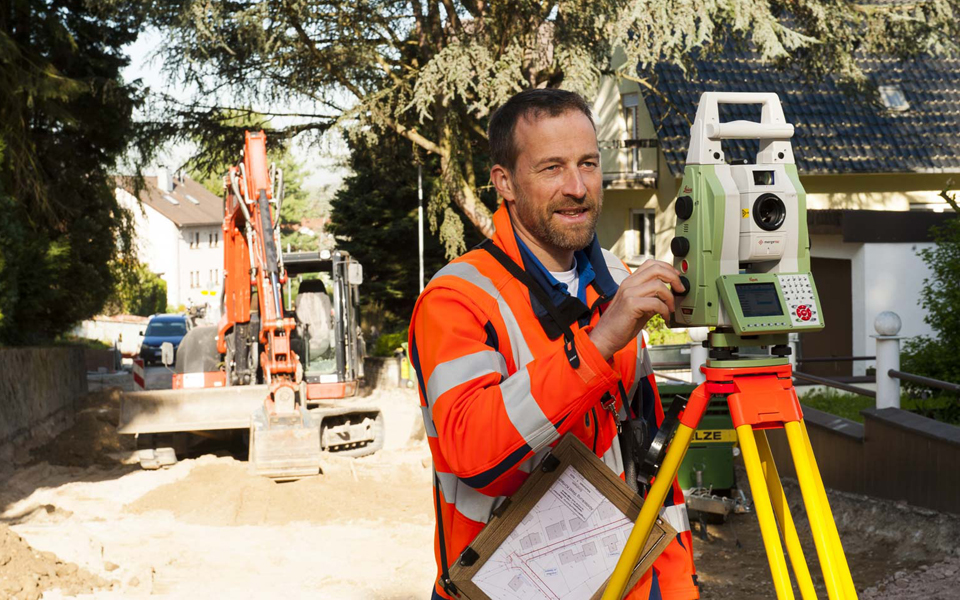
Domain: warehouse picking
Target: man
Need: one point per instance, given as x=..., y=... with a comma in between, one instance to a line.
x=537, y=334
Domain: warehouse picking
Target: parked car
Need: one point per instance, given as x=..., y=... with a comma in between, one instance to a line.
x=160, y=329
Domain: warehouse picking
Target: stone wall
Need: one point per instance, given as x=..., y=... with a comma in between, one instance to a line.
x=39, y=390
x=381, y=372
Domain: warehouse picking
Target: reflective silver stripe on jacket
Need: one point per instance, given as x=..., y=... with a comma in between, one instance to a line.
x=428, y=422
x=612, y=457
x=615, y=266
x=524, y=412
x=469, y=502
x=644, y=366
x=470, y=274
x=677, y=517
x=533, y=462
x=460, y=370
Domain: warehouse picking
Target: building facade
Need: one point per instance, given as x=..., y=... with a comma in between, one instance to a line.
x=179, y=236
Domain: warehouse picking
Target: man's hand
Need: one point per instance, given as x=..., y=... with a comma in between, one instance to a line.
x=643, y=294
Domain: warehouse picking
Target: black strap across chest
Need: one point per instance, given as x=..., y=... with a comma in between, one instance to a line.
x=559, y=320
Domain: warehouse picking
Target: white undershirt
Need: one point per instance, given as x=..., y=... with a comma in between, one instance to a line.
x=570, y=278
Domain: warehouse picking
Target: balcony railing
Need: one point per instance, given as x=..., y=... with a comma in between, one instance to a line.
x=634, y=164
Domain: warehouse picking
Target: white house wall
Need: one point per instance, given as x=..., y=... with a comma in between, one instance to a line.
x=882, y=277
x=157, y=245
x=201, y=259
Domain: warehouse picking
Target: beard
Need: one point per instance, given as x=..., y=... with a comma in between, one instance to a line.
x=549, y=229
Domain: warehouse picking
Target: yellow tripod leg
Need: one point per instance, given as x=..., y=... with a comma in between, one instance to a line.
x=785, y=519
x=648, y=513
x=764, y=508
x=846, y=580
x=815, y=511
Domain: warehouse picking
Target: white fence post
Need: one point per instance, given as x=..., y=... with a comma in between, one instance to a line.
x=698, y=354
x=888, y=326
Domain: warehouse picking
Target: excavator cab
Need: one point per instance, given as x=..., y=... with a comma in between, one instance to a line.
x=330, y=346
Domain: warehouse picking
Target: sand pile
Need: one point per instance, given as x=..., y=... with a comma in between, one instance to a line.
x=221, y=491
x=26, y=573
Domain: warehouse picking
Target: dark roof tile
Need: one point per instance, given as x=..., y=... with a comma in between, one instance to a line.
x=835, y=132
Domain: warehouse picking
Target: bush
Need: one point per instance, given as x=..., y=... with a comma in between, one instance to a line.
x=138, y=290
x=388, y=343
x=936, y=356
x=661, y=335
x=944, y=408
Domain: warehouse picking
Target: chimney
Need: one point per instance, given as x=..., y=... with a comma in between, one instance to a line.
x=164, y=180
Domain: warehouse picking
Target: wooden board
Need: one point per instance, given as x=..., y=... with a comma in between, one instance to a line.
x=570, y=453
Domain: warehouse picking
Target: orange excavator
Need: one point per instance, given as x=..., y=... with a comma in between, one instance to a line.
x=284, y=374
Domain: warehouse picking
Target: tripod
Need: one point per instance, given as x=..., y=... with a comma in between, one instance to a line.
x=759, y=398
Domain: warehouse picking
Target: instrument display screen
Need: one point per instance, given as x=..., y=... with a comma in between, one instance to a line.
x=759, y=300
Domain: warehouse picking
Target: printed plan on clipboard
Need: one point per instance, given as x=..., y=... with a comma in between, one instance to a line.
x=564, y=549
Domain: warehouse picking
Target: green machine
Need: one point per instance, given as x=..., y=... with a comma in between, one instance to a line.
x=741, y=241
x=743, y=250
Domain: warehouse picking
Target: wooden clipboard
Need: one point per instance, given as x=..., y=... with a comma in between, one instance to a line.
x=570, y=453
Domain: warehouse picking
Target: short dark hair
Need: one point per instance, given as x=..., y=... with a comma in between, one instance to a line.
x=534, y=103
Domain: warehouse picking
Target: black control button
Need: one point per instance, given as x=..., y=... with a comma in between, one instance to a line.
x=686, y=287
x=684, y=207
x=680, y=246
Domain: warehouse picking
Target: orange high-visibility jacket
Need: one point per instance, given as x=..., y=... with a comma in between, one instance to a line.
x=497, y=394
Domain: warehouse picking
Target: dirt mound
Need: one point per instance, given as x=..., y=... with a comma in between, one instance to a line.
x=222, y=491
x=25, y=573
x=93, y=438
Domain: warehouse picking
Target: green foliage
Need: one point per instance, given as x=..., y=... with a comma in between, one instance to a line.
x=940, y=296
x=661, y=335
x=432, y=70
x=72, y=340
x=374, y=218
x=138, y=290
x=388, y=343
x=65, y=119
x=943, y=408
x=837, y=403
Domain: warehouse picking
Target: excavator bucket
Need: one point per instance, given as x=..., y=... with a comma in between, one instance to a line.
x=281, y=447
x=193, y=409
x=284, y=446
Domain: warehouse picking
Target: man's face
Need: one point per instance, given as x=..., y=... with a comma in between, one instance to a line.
x=557, y=184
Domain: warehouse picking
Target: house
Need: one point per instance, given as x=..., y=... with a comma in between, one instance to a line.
x=873, y=172
x=178, y=231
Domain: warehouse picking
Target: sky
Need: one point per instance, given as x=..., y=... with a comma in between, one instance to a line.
x=322, y=171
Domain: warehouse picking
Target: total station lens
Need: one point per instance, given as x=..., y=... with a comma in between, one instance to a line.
x=769, y=212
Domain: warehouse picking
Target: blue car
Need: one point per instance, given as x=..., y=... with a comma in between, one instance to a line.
x=160, y=329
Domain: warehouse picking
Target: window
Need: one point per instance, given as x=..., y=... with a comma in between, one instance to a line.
x=893, y=98
x=194, y=239
x=642, y=238
x=630, y=104
x=214, y=239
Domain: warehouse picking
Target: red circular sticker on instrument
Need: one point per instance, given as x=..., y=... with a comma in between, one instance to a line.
x=804, y=312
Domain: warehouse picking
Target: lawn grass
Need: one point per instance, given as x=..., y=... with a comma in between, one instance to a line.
x=943, y=408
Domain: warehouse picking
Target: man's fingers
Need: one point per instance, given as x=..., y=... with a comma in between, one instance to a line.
x=655, y=289
x=657, y=271
x=654, y=304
